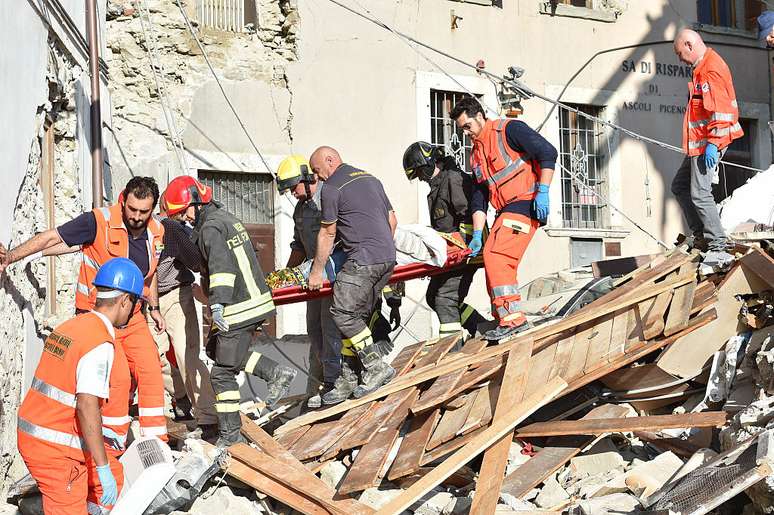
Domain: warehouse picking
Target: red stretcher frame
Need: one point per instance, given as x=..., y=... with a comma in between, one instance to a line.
x=455, y=257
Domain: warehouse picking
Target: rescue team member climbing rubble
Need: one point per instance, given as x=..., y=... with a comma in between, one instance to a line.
x=710, y=124
x=356, y=210
x=239, y=301
x=295, y=174
x=512, y=166
x=127, y=229
x=74, y=419
x=449, y=205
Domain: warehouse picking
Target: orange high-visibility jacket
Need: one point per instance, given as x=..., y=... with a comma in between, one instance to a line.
x=712, y=115
x=509, y=175
x=112, y=240
x=47, y=413
x=115, y=409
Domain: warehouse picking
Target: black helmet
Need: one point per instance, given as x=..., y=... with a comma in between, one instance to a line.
x=419, y=160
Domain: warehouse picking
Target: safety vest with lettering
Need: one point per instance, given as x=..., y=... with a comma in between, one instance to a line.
x=115, y=409
x=712, y=115
x=112, y=240
x=509, y=174
x=47, y=413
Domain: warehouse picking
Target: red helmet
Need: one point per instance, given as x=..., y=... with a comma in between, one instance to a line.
x=185, y=191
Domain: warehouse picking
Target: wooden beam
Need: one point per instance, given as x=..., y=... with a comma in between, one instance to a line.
x=481, y=442
x=412, y=449
x=512, y=389
x=620, y=425
x=761, y=264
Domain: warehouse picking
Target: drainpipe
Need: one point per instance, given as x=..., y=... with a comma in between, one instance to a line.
x=96, y=114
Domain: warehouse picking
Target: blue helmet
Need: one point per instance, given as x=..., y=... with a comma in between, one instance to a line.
x=120, y=274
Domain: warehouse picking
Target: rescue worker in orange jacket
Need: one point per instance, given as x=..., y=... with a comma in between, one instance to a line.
x=126, y=229
x=710, y=124
x=512, y=168
x=73, y=420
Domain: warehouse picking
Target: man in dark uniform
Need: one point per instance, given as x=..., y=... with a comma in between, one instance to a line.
x=239, y=299
x=449, y=205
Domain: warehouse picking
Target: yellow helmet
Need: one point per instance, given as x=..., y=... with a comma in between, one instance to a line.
x=292, y=170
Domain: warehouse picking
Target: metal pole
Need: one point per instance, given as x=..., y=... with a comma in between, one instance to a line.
x=96, y=114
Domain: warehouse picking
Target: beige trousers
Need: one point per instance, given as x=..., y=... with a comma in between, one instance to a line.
x=184, y=335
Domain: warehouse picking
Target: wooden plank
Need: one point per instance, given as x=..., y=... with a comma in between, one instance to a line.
x=620, y=266
x=364, y=472
x=580, y=349
x=322, y=437
x=644, y=377
x=554, y=455
x=288, y=439
x=620, y=425
x=412, y=449
x=451, y=421
x=481, y=411
x=443, y=385
x=449, y=447
x=310, y=481
x=540, y=365
x=618, y=334
x=564, y=349
x=683, y=448
x=513, y=386
x=760, y=264
x=458, y=361
x=287, y=476
x=362, y=433
x=477, y=445
x=654, y=318
x=682, y=301
x=406, y=358
x=599, y=342
x=687, y=357
x=634, y=329
x=437, y=352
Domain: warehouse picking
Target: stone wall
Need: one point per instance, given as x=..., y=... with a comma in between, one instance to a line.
x=23, y=293
x=137, y=39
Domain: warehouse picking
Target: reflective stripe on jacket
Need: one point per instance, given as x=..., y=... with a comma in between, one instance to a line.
x=712, y=115
x=47, y=413
x=112, y=240
x=509, y=175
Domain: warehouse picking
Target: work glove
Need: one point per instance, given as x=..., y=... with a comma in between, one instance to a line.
x=217, y=317
x=394, y=302
x=475, y=243
x=109, y=486
x=541, y=202
x=113, y=439
x=711, y=156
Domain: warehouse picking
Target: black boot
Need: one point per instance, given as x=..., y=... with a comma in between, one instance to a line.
x=343, y=387
x=279, y=384
x=229, y=429
x=182, y=409
x=503, y=331
x=375, y=371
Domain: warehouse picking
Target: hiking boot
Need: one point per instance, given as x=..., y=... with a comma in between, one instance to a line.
x=695, y=241
x=504, y=331
x=342, y=388
x=182, y=409
x=376, y=372
x=208, y=432
x=719, y=259
x=279, y=384
x=229, y=430
x=315, y=401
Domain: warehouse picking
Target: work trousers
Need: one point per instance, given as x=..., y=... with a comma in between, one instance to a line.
x=95, y=487
x=503, y=250
x=692, y=186
x=233, y=353
x=325, y=348
x=184, y=335
x=145, y=367
x=446, y=296
x=356, y=292
x=62, y=481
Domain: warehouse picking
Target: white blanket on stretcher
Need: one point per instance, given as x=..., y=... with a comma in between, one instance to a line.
x=419, y=244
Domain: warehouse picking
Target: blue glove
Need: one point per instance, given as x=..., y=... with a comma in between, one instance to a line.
x=541, y=202
x=109, y=486
x=475, y=243
x=112, y=439
x=217, y=317
x=711, y=156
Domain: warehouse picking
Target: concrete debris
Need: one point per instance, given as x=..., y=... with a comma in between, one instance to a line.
x=378, y=497
x=601, y=458
x=752, y=202
x=435, y=503
x=225, y=500
x=647, y=478
x=515, y=457
x=332, y=473
x=551, y=494
x=608, y=505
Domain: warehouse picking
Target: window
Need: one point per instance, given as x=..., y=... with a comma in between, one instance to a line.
x=589, y=4
x=581, y=151
x=737, y=14
x=248, y=196
x=443, y=130
x=740, y=151
x=229, y=15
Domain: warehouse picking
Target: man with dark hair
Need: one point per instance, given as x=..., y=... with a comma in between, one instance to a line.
x=512, y=167
x=126, y=229
x=356, y=209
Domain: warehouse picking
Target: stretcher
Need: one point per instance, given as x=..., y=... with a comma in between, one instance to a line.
x=456, y=256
